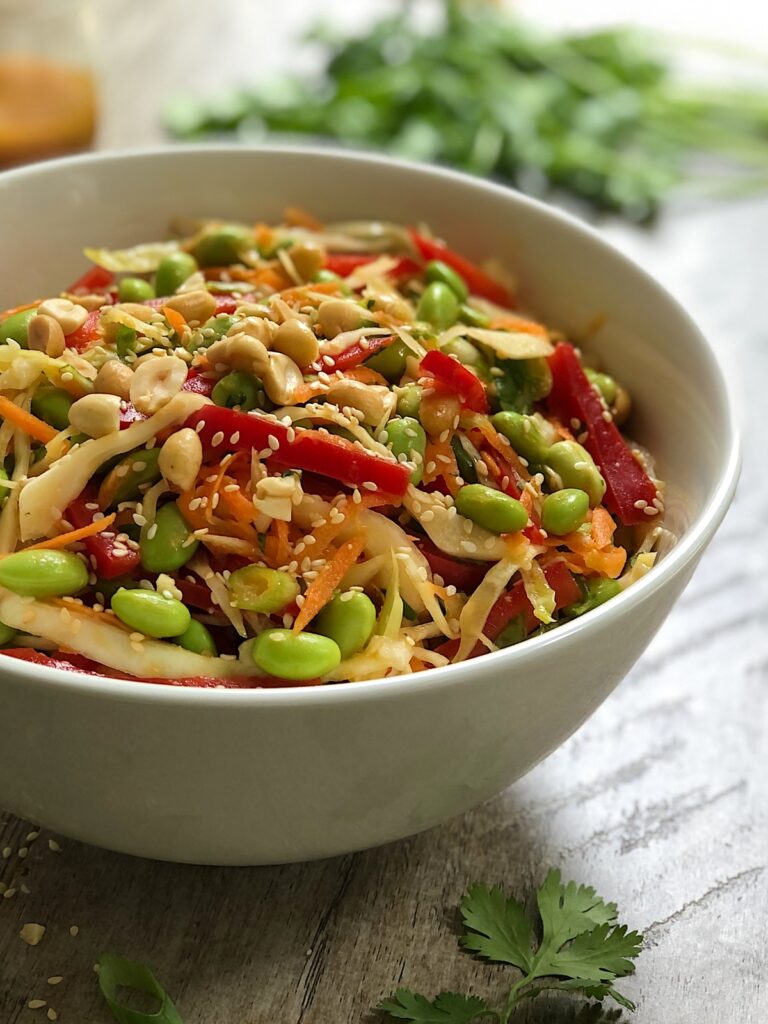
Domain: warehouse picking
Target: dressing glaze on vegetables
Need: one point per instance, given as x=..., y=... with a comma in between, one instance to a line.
x=299, y=454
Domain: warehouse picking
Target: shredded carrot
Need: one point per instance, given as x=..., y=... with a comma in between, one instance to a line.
x=307, y=390
x=264, y=235
x=603, y=527
x=298, y=217
x=606, y=560
x=237, y=506
x=320, y=591
x=175, y=319
x=365, y=375
x=26, y=421
x=282, y=547
x=19, y=309
x=518, y=323
x=502, y=446
x=330, y=529
x=301, y=291
x=65, y=539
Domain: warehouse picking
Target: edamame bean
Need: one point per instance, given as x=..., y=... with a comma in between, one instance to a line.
x=523, y=434
x=436, y=270
x=254, y=588
x=605, y=385
x=150, y=613
x=197, y=638
x=438, y=306
x=135, y=289
x=564, y=511
x=409, y=400
x=598, y=592
x=390, y=361
x=43, y=573
x=239, y=390
x=172, y=271
x=576, y=468
x=7, y=633
x=124, y=480
x=349, y=620
x=294, y=655
x=491, y=509
x=220, y=325
x=167, y=544
x=473, y=317
x=406, y=436
x=52, y=405
x=223, y=246
x=16, y=327
x=470, y=355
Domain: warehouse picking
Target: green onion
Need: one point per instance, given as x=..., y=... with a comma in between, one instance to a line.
x=116, y=972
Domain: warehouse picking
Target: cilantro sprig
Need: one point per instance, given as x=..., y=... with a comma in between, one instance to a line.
x=578, y=945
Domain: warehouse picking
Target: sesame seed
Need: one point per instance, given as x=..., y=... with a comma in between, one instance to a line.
x=36, y=1004
x=56, y=979
x=32, y=934
x=640, y=503
x=53, y=846
x=151, y=532
x=51, y=1014
x=9, y=893
x=607, y=416
x=235, y=437
x=32, y=836
x=199, y=427
x=369, y=485
x=74, y=930
x=217, y=439
x=23, y=852
x=651, y=510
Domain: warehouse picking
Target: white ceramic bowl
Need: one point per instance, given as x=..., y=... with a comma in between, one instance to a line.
x=263, y=776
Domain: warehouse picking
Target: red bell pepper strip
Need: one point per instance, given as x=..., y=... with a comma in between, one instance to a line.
x=77, y=663
x=515, y=602
x=195, y=382
x=343, y=264
x=352, y=356
x=95, y=279
x=465, y=576
x=573, y=397
x=456, y=378
x=101, y=546
x=87, y=334
x=227, y=430
x=198, y=384
x=478, y=282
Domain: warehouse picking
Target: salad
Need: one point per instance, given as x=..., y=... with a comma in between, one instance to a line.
x=303, y=453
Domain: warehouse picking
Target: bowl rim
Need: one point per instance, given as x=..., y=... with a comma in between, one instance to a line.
x=686, y=550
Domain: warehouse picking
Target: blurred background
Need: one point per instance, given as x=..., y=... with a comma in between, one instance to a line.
x=601, y=106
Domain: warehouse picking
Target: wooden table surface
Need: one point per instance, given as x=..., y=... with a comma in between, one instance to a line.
x=659, y=800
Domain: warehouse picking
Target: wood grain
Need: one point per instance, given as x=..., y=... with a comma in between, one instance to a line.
x=659, y=800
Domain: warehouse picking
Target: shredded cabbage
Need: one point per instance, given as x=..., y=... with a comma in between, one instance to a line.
x=478, y=607
x=512, y=344
x=453, y=534
x=139, y=259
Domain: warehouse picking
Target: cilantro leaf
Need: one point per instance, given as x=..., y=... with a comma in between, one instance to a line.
x=447, y=1008
x=497, y=928
x=600, y=955
x=597, y=991
x=569, y=910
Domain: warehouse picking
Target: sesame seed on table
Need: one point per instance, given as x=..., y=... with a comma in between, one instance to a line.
x=659, y=800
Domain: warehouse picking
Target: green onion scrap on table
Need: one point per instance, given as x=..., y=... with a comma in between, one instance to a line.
x=602, y=116
x=304, y=453
x=576, y=945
